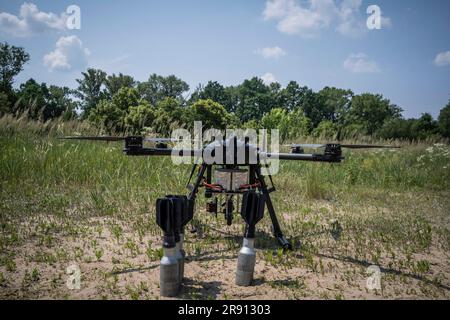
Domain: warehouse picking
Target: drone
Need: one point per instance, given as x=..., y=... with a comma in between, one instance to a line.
x=231, y=173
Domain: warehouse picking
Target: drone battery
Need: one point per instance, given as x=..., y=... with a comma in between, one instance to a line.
x=231, y=179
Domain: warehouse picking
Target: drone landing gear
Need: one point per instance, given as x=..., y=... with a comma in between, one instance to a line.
x=174, y=212
x=277, y=233
x=252, y=212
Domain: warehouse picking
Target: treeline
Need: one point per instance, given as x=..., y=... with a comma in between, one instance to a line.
x=119, y=103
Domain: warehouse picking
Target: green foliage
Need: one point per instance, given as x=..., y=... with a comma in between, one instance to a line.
x=41, y=102
x=425, y=126
x=255, y=99
x=169, y=114
x=112, y=114
x=139, y=117
x=335, y=103
x=108, y=116
x=91, y=89
x=61, y=103
x=310, y=104
x=371, y=111
x=4, y=104
x=33, y=99
x=290, y=124
x=12, y=59
x=157, y=88
x=216, y=92
x=326, y=129
x=299, y=124
x=444, y=121
x=211, y=114
x=114, y=83
x=277, y=119
x=126, y=98
x=411, y=129
x=252, y=124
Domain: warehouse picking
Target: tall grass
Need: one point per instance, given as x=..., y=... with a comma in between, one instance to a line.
x=31, y=153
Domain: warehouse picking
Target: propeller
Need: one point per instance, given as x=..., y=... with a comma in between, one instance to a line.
x=347, y=146
x=111, y=138
x=99, y=138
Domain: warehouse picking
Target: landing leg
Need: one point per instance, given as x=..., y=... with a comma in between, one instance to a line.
x=278, y=234
x=193, y=194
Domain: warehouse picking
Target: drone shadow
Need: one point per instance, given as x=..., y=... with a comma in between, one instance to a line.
x=131, y=270
x=385, y=270
x=203, y=290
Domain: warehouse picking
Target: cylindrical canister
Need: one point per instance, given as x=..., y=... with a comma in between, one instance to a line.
x=246, y=263
x=169, y=273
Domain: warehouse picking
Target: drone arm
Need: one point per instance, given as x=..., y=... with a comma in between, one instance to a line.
x=130, y=151
x=305, y=157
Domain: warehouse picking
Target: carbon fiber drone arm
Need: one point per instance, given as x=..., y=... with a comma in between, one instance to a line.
x=307, y=157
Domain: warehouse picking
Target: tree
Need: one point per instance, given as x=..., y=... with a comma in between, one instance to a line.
x=294, y=96
x=158, y=88
x=299, y=124
x=277, y=118
x=91, y=90
x=45, y=103
x=168, y=115
x=291, y=96
x=114, y=83
x=290, y=124
x=326, y=129
x=4, y=104
x=108, y=116
x=33, y=99
x=60, y=103
x=211, y=114
x=397, y=129
x=335, y=103
x=371, y=111
x=254, y=99
x=12, y=60
x=216, y=92
x=444, y=121
x=111, y=114
x=126, y=98
x=139, y=117
x=251, y=124
x=425, y=126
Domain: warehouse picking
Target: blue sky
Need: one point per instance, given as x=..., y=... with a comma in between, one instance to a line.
x=314, y=42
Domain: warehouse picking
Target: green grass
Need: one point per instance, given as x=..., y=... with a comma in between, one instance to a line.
x=393, y=207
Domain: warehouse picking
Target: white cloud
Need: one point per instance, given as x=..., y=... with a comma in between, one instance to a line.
x=69, y=54
x=268, y=78
x=271, y=52
x=442, y=59
x=386, y=22
x=360, y=63
x=350, y=21
x=31, y=21
x=308, y=18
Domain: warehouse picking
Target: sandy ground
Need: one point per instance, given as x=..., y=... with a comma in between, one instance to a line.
x=126, y=271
